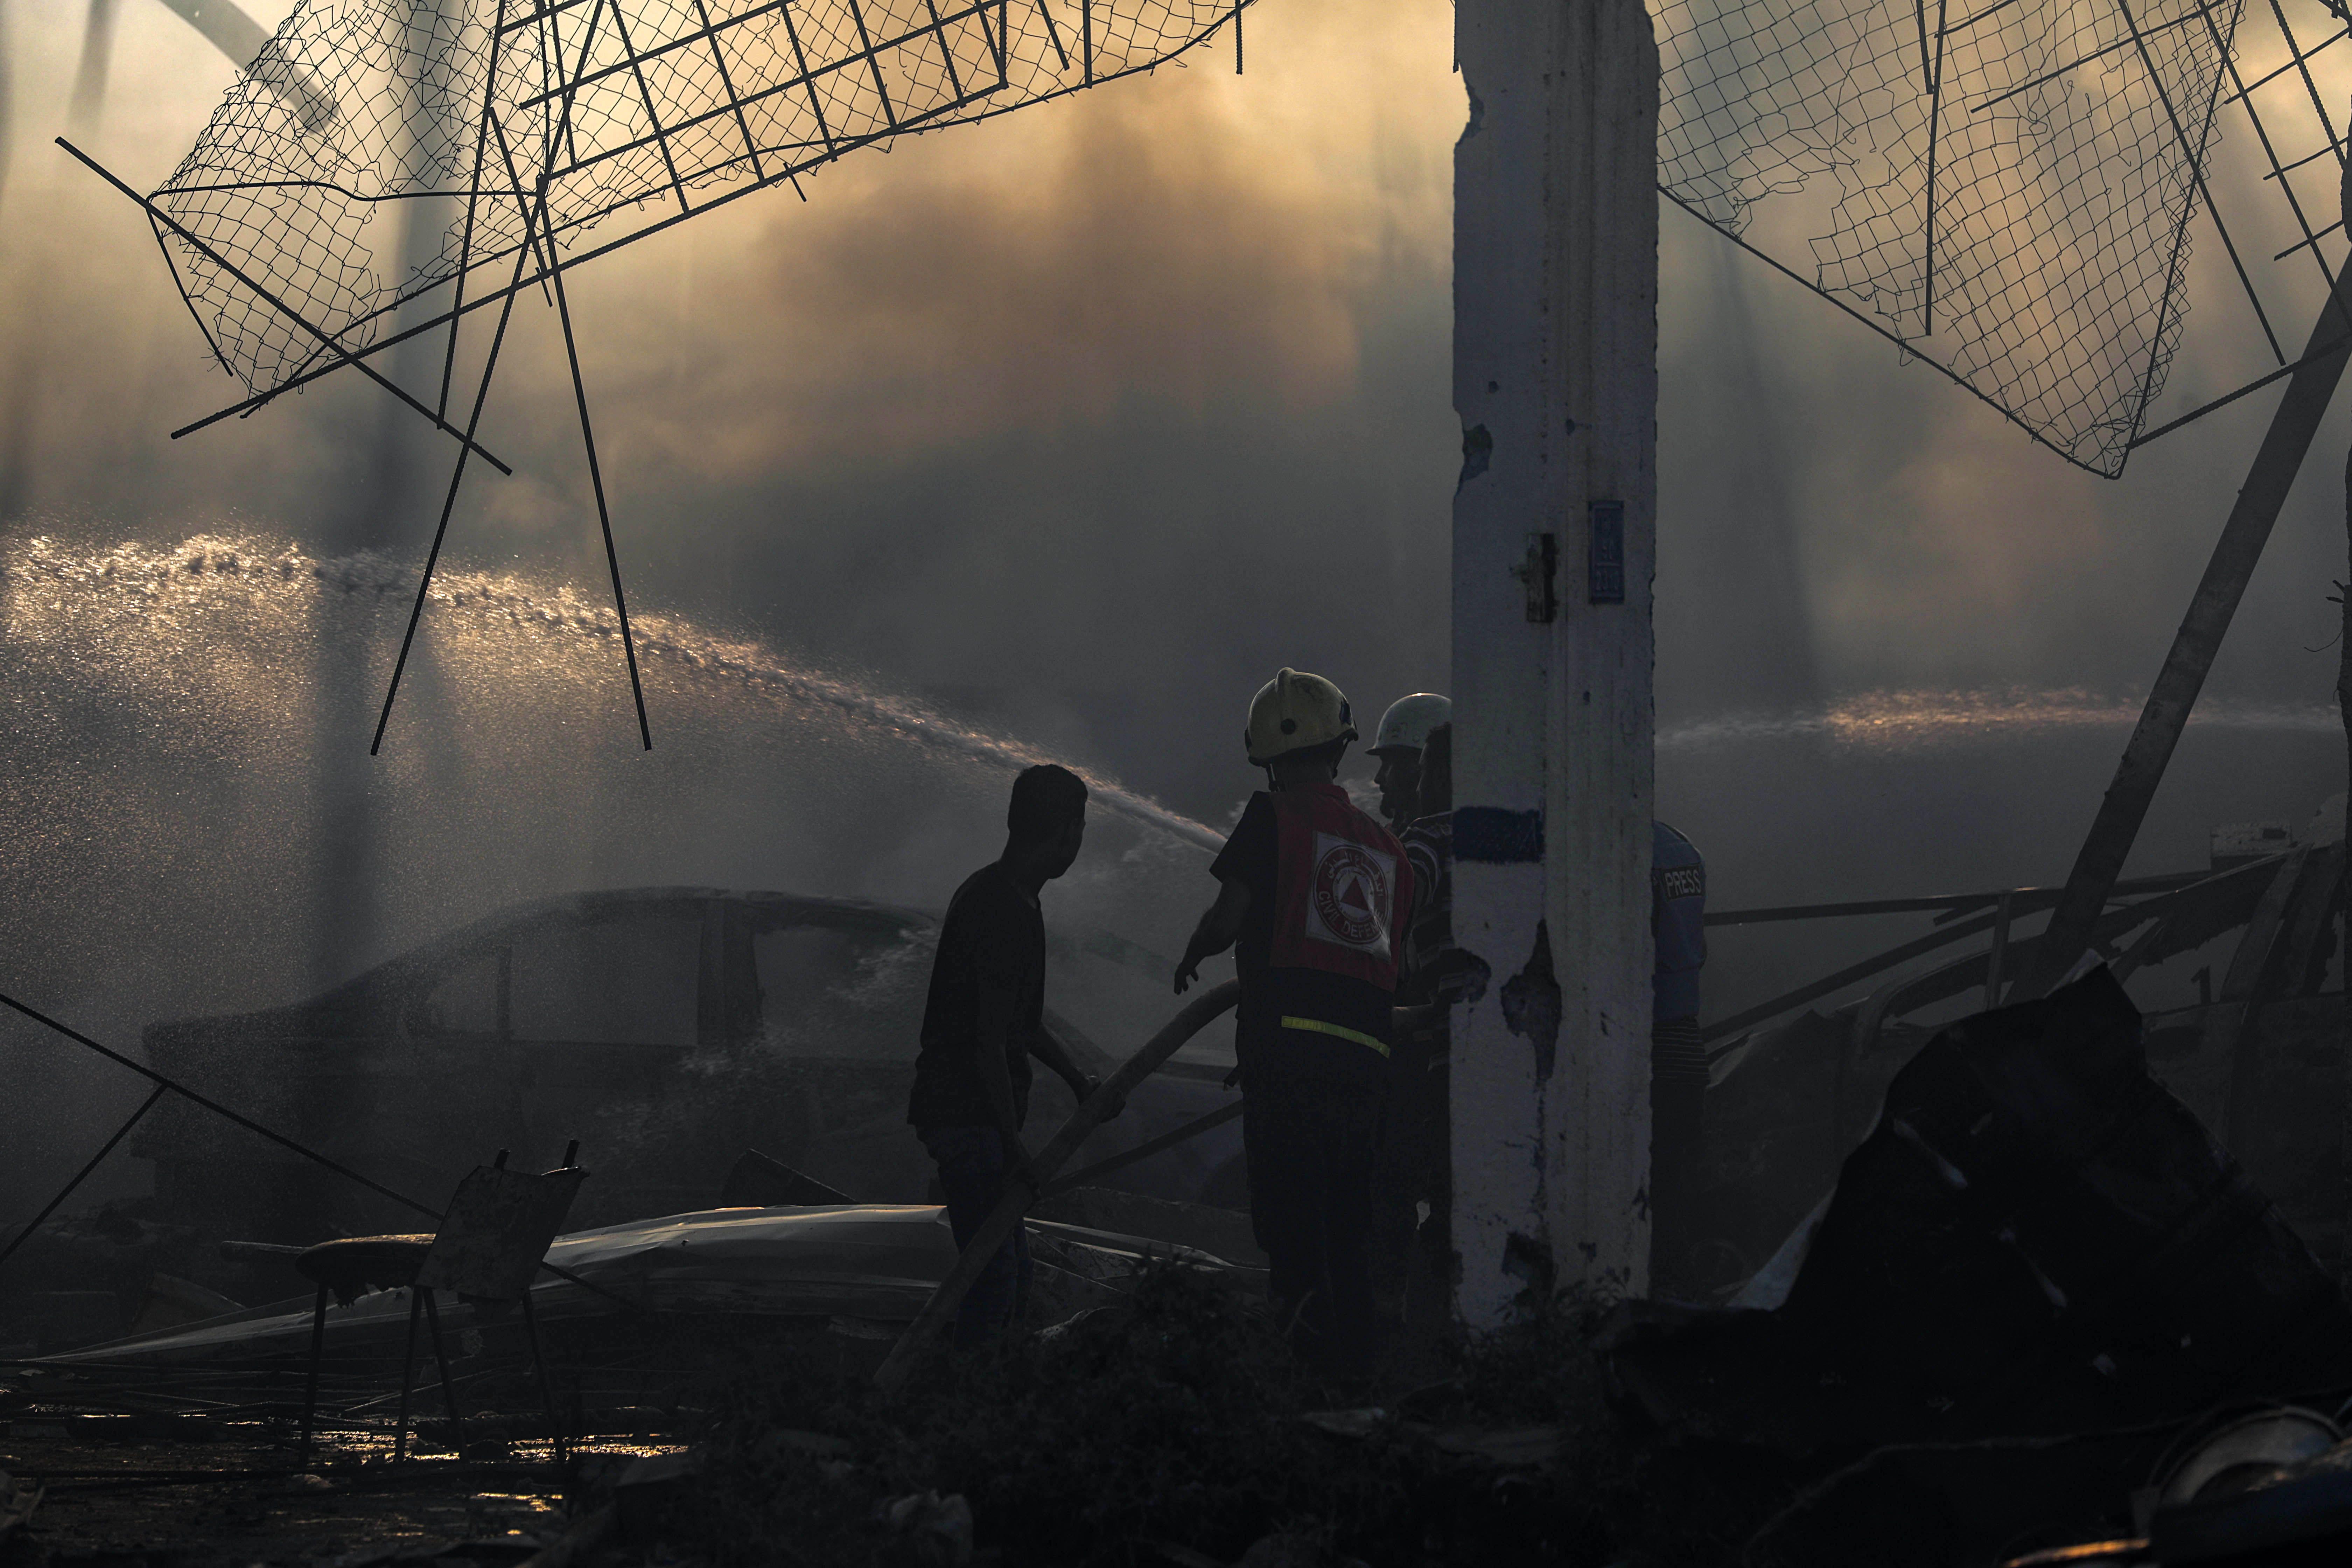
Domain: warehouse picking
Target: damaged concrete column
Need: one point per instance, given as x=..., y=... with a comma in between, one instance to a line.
x=1555, y=378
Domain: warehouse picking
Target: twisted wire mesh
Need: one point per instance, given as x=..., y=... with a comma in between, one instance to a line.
x=650, y=108
x=2013, y=179
x=2005, y=188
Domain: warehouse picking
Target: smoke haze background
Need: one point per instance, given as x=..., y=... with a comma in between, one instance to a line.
x=1073, y=425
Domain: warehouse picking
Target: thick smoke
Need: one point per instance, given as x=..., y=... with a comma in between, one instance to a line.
x=190, y=823
x=1071, y=428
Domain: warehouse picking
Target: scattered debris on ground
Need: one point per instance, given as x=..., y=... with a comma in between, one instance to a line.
x=2042, y=1318
x=2036, y=1238
x=1175, y=1426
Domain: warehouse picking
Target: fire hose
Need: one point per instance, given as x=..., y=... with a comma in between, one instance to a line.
x=1096, y=1109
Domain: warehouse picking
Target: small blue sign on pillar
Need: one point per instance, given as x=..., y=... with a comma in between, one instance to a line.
x=1604, y=554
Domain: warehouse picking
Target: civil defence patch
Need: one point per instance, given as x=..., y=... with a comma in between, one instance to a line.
x=1352, y=897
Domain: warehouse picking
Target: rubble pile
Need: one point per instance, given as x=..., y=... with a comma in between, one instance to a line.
x=2041, y=1316
x=1174, y=1427
x=2044, y=1311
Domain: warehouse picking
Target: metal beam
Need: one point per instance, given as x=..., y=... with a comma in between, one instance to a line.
x=327, y=340
x=2276, y=462
x=226, y=28
x=2114, y=923
x=2028, y=900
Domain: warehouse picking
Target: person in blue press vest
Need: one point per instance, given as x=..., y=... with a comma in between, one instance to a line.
x=1315, y=896
x=1677, y=1058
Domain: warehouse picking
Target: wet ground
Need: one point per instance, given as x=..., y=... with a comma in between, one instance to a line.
x=232, y=1497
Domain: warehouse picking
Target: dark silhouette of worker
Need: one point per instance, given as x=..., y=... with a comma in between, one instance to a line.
x=1314, y=895
x=984, y=1019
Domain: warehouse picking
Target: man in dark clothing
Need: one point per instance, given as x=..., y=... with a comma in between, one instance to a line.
x=1314, y=897
x=983, y=1021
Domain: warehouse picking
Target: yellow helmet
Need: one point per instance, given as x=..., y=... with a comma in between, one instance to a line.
x=1294, y=711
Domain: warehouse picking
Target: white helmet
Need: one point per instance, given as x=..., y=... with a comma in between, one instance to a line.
x=1294, y=711
x=1406, y=725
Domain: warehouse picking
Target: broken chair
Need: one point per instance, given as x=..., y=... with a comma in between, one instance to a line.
x=497, y=1232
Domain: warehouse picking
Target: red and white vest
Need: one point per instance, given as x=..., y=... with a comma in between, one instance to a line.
x=1342, y=886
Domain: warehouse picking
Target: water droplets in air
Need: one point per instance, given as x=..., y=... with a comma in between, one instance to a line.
x=193, y=822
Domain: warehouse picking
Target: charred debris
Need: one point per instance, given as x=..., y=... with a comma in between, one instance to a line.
x=2053, y=1283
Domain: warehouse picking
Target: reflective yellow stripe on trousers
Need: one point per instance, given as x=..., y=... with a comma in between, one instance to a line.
x=1316, y=1025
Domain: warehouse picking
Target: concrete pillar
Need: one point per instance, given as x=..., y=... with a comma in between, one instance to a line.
x=1555, y=378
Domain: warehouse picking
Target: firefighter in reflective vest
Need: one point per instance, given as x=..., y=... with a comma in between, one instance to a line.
x=1677, y=1058
x=1399, y=743
x=1315, y=896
